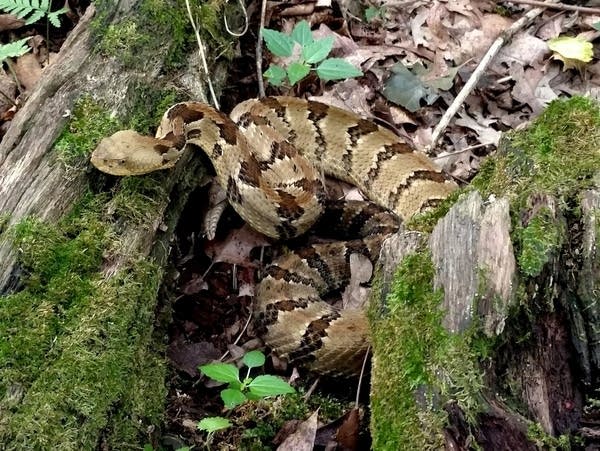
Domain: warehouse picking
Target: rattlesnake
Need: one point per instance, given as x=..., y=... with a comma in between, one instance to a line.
x=269, y=156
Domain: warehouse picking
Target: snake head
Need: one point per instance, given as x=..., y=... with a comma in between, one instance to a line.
x=129, y=153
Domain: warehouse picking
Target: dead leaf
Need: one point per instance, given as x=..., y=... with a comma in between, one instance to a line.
x=10, y=22
x=347, y=434
x=486, y=135
x=304, y=437
x=28, y=70
x=188, y=356
x=235, y=249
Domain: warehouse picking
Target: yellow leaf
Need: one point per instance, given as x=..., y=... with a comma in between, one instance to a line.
x=568, y=48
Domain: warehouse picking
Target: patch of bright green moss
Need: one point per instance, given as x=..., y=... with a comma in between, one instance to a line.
x=418, y=366
x=76, y=355
x=540, y=239
x=89, y=123
x=557, y=154
x=543, y=440
x=161, y=31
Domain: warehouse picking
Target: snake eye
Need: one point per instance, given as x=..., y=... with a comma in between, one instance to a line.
x=122, y=161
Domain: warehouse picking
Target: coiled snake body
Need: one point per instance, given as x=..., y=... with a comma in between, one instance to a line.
x=270, y=155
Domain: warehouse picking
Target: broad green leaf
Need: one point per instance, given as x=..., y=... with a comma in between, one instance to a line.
x=212, y=424
x=14, y=49
x=254, y=359
x=318, y=50
x=404, y=88
x=596, y=25
x=222, y=372
x=302, y=34
x=275, y=74
x=232, y=398
x=267, y=385
x=337, y=69
x=297, y=71
x=278, y=43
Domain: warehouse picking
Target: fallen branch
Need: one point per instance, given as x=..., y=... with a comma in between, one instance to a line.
x=561, y=6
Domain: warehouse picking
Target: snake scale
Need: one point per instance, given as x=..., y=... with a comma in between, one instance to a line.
x=270, y=155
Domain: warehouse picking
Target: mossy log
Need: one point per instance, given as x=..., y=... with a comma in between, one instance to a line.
x=81, y=363
x=485, y=330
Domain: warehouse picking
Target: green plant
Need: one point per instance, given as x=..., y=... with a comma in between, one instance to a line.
x=35, y=9
x=373, y=13
x=239, y=391
x=312, y=51
x=14, y=49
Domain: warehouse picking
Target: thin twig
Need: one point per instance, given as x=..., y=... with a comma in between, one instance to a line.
x=562, y=6
x=246, y=22
x=261, y=84
x=202, y=54
x=360, y=377
x=504, y=37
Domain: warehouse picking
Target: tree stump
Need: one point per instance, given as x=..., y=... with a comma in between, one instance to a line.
x=488, y=330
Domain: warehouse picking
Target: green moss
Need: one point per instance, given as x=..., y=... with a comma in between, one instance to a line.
x=160, y=32
x=418, y=365
x=138, y=198
x=89, y=123
x=540, y=239
x=76, y=355
x=543, y=440
x=557, y=154
x=425, y=222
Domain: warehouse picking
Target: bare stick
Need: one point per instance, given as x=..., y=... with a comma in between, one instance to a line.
x=561, y=6
x=261, y=84
x=504, y=37
x=360, y=378
x=202, y=54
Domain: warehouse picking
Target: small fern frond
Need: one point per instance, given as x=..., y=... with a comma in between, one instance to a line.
x=53, y=16
x=14, y=49
x=32, y=10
